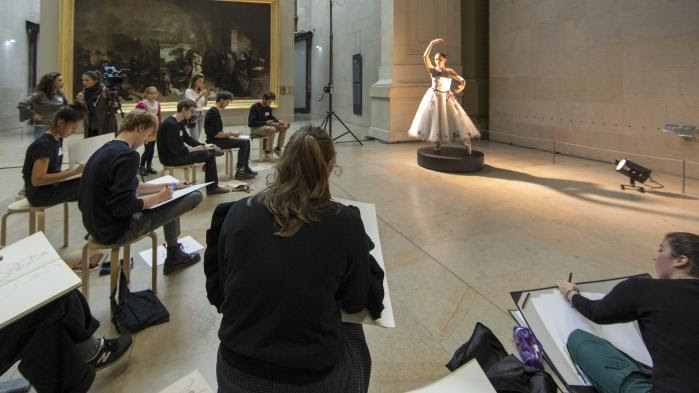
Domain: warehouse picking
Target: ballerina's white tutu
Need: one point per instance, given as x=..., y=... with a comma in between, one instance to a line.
x=439, y=117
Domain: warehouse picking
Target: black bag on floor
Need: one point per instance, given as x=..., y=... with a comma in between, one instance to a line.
x=510, y=375
x=135, y=311
x=505, y=372
x=483, y=346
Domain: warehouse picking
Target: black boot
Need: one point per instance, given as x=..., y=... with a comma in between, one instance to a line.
x=151, y=171
x=177, y=259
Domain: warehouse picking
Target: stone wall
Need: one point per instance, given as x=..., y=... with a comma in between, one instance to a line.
x=596, y=76
x=14, y=58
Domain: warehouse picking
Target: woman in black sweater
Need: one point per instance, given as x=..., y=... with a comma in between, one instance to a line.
x=284, y=264
x=666, y=311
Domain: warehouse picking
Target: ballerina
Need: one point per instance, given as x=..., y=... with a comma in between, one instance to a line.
x=440, y=118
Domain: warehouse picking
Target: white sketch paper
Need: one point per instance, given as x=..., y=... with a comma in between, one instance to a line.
x=191, y=383
x=32, y=274
x=371, y=226
x=188, y=243
x=177, y=193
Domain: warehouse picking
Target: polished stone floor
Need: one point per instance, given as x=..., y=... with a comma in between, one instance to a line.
x=454, y=247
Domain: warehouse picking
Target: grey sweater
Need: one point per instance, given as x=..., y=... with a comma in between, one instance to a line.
x=39, y=103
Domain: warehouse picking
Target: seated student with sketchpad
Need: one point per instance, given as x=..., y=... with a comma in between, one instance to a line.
x=213, y=125
x=667, y=311
x=44, y=182
x=56, y=348
x=116, y=208
x=172, y=137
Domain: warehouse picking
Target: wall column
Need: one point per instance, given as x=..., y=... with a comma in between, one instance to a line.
x=407, y=27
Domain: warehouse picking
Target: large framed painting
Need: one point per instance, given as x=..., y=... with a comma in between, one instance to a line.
x=162, y=43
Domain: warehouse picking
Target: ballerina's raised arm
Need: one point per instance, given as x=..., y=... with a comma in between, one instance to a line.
x=428, y=52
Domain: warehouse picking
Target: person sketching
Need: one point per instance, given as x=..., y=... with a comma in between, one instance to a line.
x=116, y=208
x=213, y=125
x=666, y=311
x=263, y=124
x=44, y=182
x=296, y=258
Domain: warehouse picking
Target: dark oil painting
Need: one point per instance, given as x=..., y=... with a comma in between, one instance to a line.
x=162, y=43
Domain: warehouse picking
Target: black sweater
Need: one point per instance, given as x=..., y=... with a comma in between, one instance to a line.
x=259, y=115
x=281, y=297
x=108, y=191
x=667, y=312
x=171, y=139
x=212, y=124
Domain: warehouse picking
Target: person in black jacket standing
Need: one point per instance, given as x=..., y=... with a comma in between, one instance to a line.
x=172, y=137
x=296, y=258
x=262, y=123
x=666, y=311
x=213, y=126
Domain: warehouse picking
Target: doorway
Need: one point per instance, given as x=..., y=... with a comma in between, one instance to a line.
x=302, y=72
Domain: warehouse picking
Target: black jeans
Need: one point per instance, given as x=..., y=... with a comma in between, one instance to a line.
x=205, y=156
x=166, y=216
x=147, y=156
x=242, y=144
x=44, y=343
x=53, y=194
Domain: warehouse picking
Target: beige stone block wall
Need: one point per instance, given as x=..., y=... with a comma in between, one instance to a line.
x=600, y=77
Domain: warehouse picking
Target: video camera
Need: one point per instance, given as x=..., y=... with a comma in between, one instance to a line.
x=113, y=78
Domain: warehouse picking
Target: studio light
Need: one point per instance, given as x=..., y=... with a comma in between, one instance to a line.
x=670, y=128
x=687, y=131
x=635, y=172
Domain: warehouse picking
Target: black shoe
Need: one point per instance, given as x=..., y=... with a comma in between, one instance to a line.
x=111, y=350
x=151, y=171
x=249, y=171
x=240, y=174
x=278, y=150
x=143, y=171
x=219, y=153
x=177, y=259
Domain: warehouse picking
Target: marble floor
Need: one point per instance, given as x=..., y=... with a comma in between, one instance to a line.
x=454, y=247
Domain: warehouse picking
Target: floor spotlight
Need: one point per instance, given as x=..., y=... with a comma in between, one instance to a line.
x=687, y=131
x=635, y=172
x=670, y=128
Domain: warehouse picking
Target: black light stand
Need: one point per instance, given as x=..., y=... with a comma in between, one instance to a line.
x=327, y=122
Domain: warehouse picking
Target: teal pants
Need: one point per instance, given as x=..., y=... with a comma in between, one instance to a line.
x=608, y=369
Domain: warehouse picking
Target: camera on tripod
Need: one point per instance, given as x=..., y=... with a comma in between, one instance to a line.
x=113, y=78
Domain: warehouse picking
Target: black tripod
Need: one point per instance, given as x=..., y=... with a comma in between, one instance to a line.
x=327, y=123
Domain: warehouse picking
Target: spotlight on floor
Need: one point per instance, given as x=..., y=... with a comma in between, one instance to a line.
x=635, y=172
x=670, y=128
x=687, y=131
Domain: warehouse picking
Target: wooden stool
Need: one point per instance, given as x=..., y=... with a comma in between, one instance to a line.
x=37, y=220
x=230, y=171
x=114, y=262
x=185, y=168
x=262, y=139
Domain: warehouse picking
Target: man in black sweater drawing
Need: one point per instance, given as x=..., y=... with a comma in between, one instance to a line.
x=172, y=137
x=262, y=123
x=117, y=209
x=213, y=125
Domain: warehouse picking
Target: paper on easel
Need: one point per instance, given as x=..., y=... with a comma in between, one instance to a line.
x=371, y=226
x=467, y=378
x=188, y=243
x=177, y=193
x=560, y=319
x=31, y=275
x=191, y=383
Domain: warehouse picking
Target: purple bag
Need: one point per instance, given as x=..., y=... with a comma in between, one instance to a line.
x=528, y=347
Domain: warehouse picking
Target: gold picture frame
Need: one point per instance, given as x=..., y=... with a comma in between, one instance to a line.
x=66, y=32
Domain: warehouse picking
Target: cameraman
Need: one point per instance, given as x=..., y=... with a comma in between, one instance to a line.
x=101, y=113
